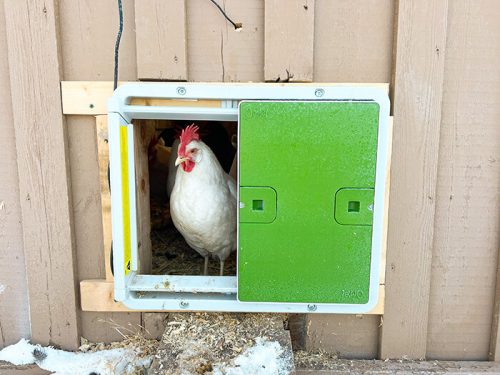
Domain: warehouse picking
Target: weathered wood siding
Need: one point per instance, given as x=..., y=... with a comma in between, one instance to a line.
x=32, y=31
x=466, y=227
x=87, y=51
x=442, y=61
x=14, y=310
x=352, y=43
x=417, y=94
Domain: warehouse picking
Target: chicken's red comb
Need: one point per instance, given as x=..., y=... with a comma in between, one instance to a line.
x=187, y=135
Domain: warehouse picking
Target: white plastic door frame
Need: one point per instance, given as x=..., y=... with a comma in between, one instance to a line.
x=209, y=293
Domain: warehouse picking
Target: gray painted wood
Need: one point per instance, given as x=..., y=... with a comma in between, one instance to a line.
x=418, y=82
x=14, y=309
x=43, y=168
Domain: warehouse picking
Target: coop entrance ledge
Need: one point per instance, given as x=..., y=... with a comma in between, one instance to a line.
x=183, y=284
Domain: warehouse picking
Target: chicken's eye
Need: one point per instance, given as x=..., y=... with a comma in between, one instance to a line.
x=193, y=151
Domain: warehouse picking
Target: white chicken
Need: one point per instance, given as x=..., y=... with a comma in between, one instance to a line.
x=203, y=200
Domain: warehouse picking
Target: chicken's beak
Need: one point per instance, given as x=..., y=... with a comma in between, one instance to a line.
x=179, y=160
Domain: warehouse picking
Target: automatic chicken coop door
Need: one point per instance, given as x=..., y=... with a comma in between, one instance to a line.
x=312, y=173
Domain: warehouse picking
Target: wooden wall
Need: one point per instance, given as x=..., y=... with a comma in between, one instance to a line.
x=87, y=51
x=467, y=233
x=442, y=61
x=14, y=314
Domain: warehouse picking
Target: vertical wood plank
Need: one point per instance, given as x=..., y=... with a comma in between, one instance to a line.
x=144, y=130
x=154, y=324
x=289, y=40
x=160, y=32
x=351, y=336
x=466, y=225
x=352, y=43
x=103, y=156
x=494, y=345
x=420, y=49
x=88, y=36
x=86, y=59
x=45, y=192
x=14, y=309
x=353, y=40
x=216, y=51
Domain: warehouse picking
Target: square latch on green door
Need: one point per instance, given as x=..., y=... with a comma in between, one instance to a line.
x=257, y=204
x=307, y=177
x=354, y=206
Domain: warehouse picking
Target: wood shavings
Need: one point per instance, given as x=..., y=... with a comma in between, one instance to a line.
x=195, y=343
x=318, y=360
x=172, y=255
x=134, y=337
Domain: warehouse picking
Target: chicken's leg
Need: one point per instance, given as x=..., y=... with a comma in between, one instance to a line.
x=205, y=269
x=221, y=267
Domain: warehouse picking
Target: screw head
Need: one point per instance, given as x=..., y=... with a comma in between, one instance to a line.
x=181, y=90
x=319, y=93
x=183, y=304
x=312, y=307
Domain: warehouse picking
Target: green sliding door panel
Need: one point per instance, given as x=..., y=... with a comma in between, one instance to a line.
x=307, y=178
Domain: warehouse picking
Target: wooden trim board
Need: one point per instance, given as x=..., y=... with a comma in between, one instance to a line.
x=373, y=367
x=91, y=97
x=7, y=369
x=343, y=366
x=98, y=295
x=103, y=159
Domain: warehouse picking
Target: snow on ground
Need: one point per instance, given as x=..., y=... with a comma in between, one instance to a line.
x=104, y=362
x=264, y=358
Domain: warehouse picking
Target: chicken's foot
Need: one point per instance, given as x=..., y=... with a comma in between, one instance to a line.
x=221, y=267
